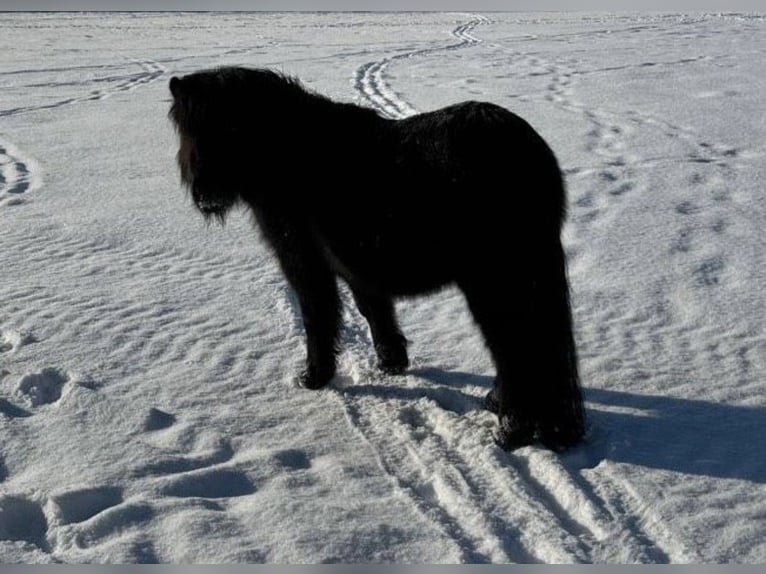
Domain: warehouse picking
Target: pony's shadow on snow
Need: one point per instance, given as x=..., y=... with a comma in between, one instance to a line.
x=446, y=389
x=681, y=435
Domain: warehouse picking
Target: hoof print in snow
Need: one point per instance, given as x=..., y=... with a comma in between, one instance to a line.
x=293, y=459
x=22, y=519
x=683, y=241
x=708, y=273
x=14, y=340
x=12, y=411
x=143, y=552
x=16, y=176
x=157, y=420
x=687, y=208
x=111, y=521
x=621, y=189
x=80, y=505
x=44, y=387
x=210, y=484
x=90, y=384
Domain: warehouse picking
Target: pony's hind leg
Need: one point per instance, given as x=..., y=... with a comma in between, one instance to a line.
x=513, y=398
x=390, y=344
x=528, y=329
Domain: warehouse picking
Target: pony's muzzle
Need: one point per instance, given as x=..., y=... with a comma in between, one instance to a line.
x=208, y=205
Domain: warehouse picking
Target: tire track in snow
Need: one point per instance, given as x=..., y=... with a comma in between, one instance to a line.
x=370, y=78
x=610, y=528
x=151, y=71
x=443, y=458
x=643, y=536
x=527, y=506
x=451, y=470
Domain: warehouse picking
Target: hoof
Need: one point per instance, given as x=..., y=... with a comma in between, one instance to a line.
x=515, y=433
x=393, y=360
x=561, y=439
x=490, y=402
x=314, y=379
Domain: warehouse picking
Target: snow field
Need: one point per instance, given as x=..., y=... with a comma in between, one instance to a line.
x=147, y=411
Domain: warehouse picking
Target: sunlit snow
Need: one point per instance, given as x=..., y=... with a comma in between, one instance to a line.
x=147, y=409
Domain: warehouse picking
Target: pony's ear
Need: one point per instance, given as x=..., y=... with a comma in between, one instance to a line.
x=175, y=87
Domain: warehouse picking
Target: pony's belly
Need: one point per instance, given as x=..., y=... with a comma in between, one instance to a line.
x=397, y=273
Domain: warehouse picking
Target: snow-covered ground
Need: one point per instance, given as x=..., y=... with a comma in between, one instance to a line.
x=147, y=411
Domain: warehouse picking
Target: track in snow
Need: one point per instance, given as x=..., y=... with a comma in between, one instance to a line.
x=620, y=175
x=150, y=72
x=370, y=78
x=527, y=506
x=699, y=229
x=72, y=521
x=18, y=175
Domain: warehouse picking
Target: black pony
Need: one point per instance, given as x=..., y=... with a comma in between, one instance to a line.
x=468, y=195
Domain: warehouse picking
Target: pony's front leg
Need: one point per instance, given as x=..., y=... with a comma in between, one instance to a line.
x=316, y=286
